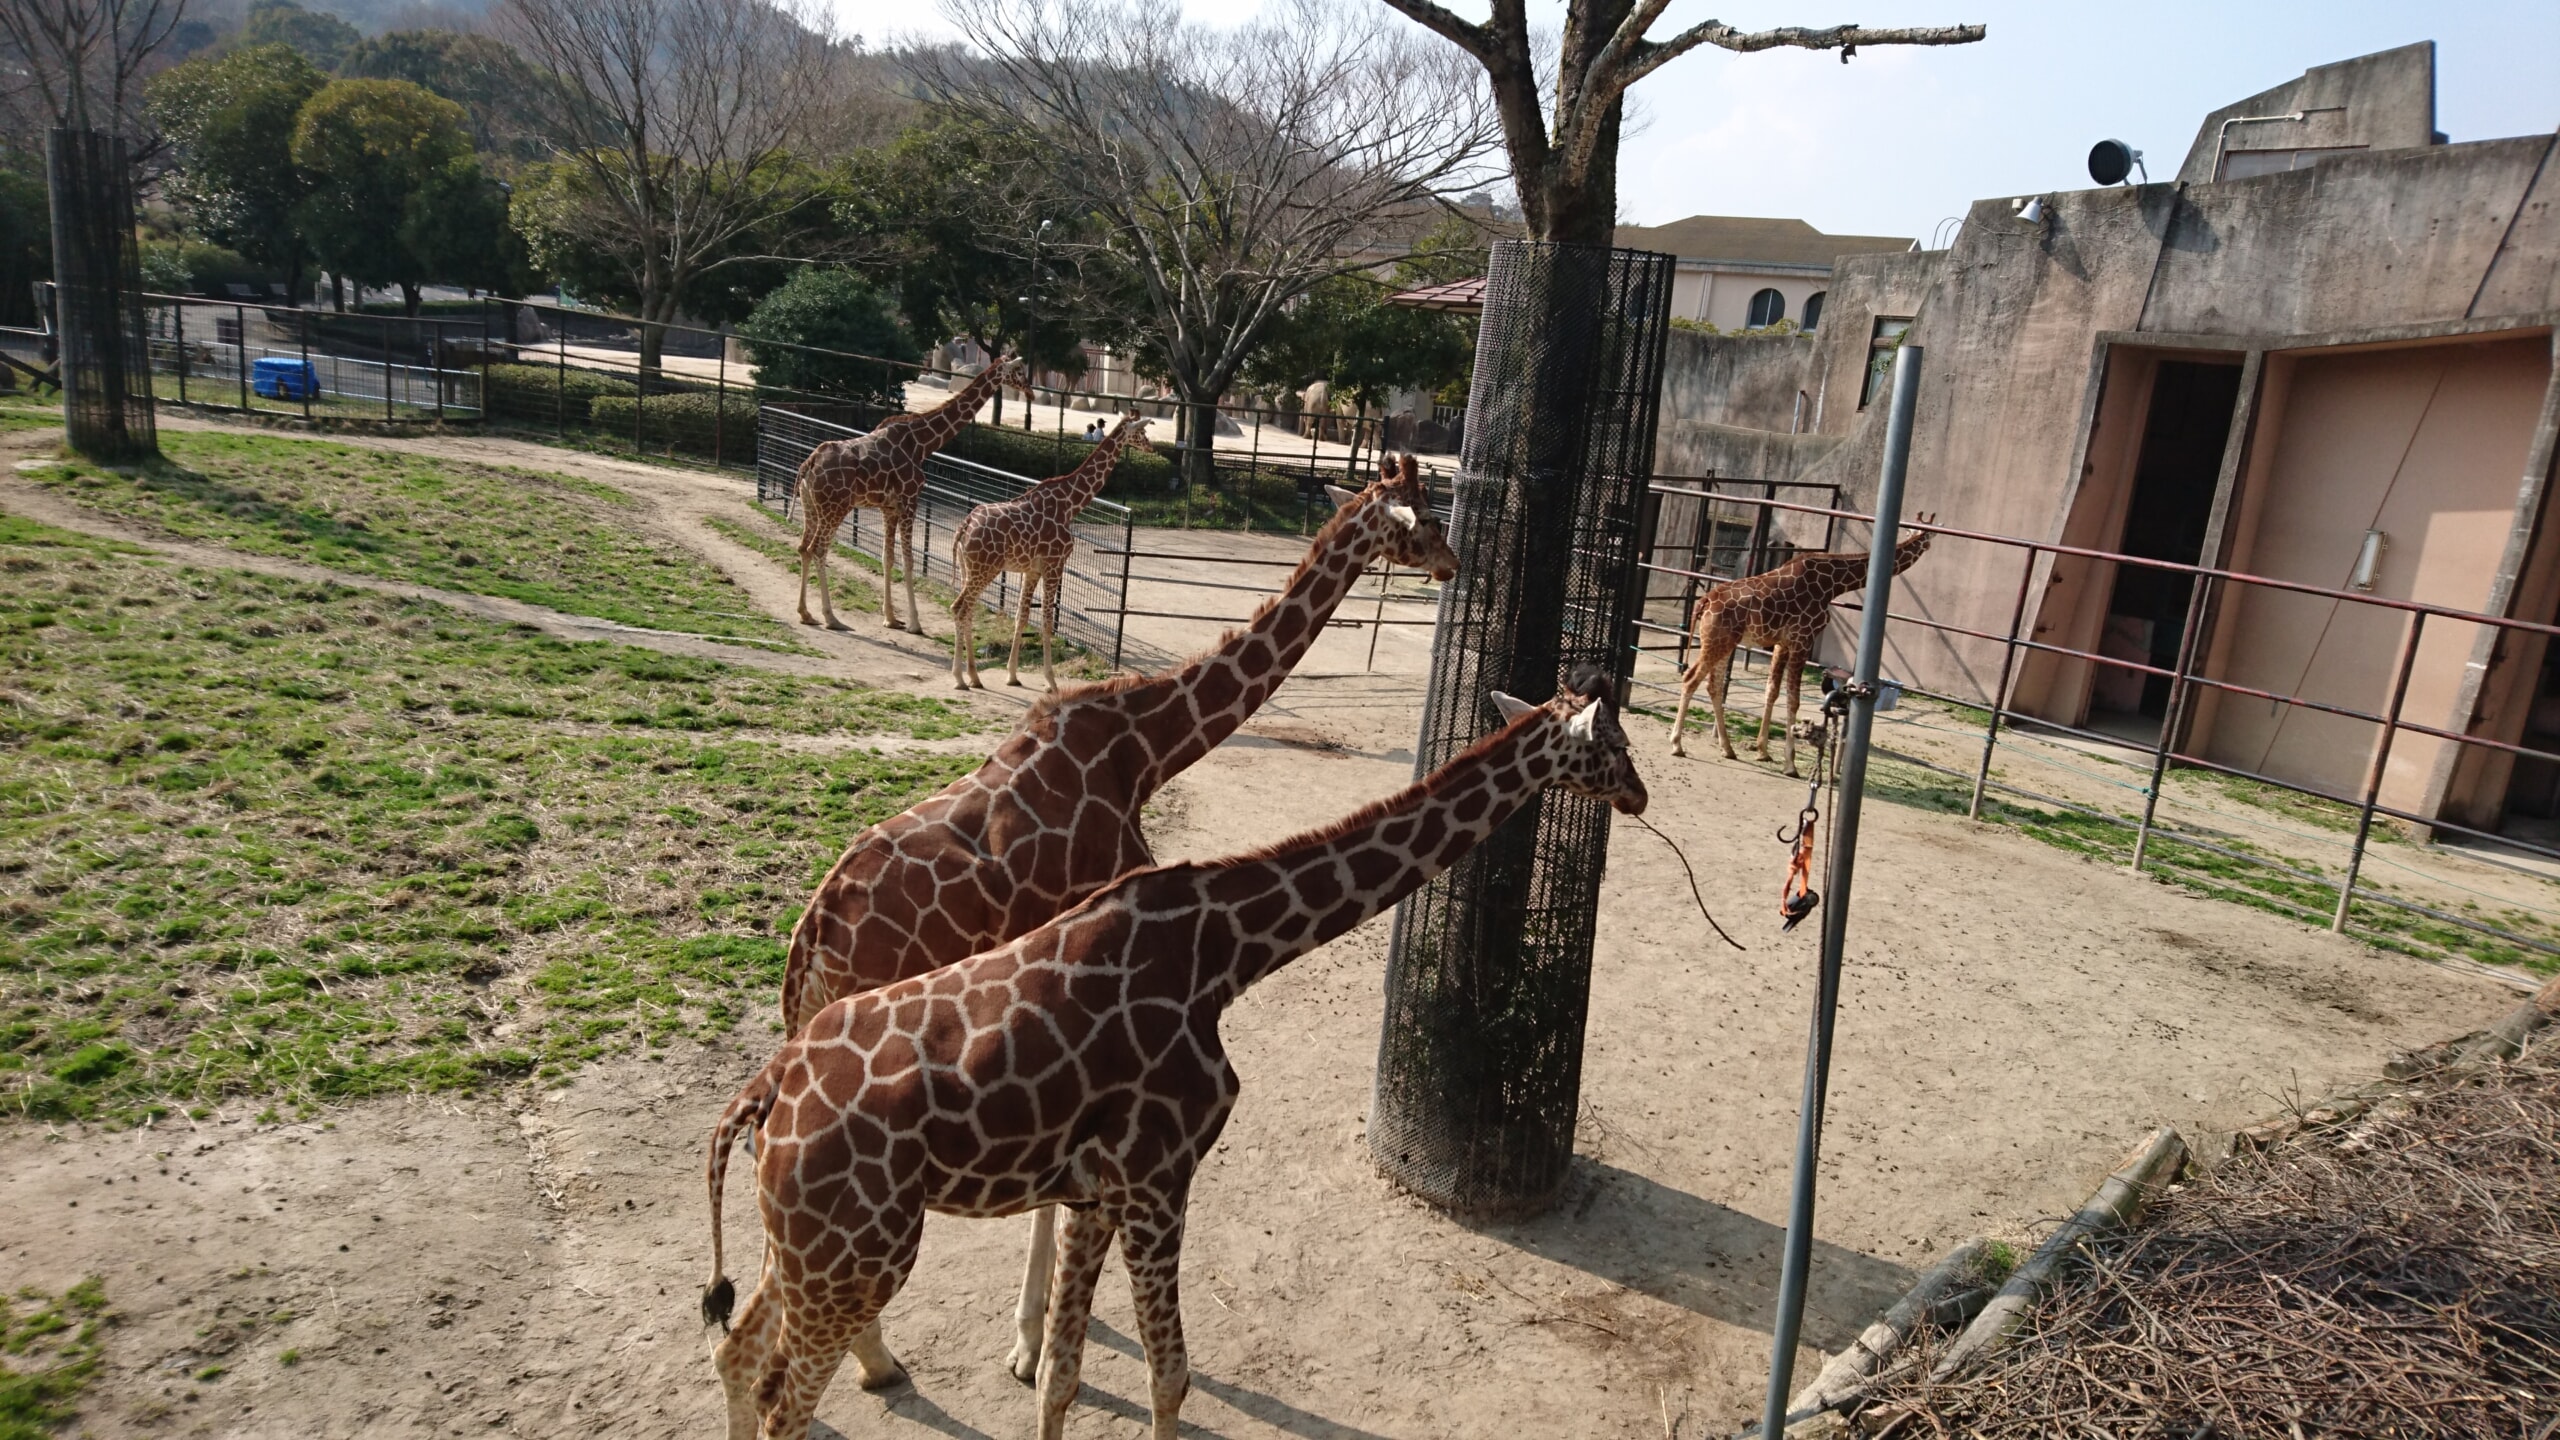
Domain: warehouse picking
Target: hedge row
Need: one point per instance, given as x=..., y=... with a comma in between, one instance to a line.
x=541, y=392
x=693, y=421
x=1140, y=470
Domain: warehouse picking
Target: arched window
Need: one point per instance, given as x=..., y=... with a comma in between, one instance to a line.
x=1813, y=308
x=1768, y=307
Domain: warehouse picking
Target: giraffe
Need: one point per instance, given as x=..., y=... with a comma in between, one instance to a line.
x=1079, y=1065
x=1784, y=609
x=1034, y=533
x=884, y=469
x=1053, y=813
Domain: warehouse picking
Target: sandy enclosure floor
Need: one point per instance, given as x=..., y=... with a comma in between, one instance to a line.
x=2014, y=1017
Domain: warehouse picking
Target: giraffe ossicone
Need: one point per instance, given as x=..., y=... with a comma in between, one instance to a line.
x=884, y=470
x=1078, y=1065
x=1783, y=609
x=1052, y=815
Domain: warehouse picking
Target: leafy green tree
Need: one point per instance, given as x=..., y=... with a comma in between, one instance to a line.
x=834, y=310
x=479, y=74
x=971, y=241
x=456, y=225
x=567, y=232
x=231, y=118
x=323, y=39
x=1344, y=332
x=376, y=154
x=26, y=243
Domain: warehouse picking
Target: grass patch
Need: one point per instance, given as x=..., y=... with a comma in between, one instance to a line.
x=549, y=540
x=271, y=844
x=2241, y=877
x=51, y=1348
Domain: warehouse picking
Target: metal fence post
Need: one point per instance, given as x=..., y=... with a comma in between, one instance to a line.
x=386, y=366
x=1128, y=542
x=719, y=402
x=1835, y=903
x=2000, y=692
x=2179, y=689
x=240, y=343
x=2381, y=758
x=310, y=380
x=435, y=358
x=181, y=308
x=560, y=382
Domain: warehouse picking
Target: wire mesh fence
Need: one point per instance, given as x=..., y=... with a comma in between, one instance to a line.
x=1488, y=980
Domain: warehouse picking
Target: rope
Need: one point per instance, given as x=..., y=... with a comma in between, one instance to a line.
x=1693, y=882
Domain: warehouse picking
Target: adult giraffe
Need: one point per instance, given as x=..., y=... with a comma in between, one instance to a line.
x=1053, y=814
x=1079, y=1065
x=884, y=469
x=1784, y=609
x=1032, y=533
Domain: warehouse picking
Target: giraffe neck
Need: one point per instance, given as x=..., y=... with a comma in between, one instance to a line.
x=1188, y=712
x=1349, y=871
x=943, y=421
x=1075, y=490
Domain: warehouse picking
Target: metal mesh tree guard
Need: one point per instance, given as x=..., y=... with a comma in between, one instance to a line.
x=97, y=267
x=1480, y=1059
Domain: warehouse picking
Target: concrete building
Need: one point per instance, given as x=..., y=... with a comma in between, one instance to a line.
x=1737, y=272
x=2331, y=324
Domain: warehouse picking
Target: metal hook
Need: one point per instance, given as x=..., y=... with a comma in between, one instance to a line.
x=1807, y=817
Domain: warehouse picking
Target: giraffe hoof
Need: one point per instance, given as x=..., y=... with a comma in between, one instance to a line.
x=1015, y=683
x=1024, y=1362
x=889, y=1379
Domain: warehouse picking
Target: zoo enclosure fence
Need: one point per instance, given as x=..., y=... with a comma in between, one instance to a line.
x=1114, y=557
x=1710, y=563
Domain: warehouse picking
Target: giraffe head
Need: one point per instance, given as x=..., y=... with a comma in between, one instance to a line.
x=1014, y=373
x=1413, y=538
x=1132, y=430
x=1590, y=748
x=1911, y=547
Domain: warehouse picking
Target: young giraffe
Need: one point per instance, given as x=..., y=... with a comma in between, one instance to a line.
x=1053, y=813
x=884, y=470
x=1783, y=609
x=1033, y=533
x=1080, y=1066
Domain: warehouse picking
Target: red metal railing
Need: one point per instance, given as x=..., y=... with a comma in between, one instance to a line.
x=2186, y=682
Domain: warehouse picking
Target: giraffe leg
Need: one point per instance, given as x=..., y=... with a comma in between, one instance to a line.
x=826, y=590
x=804, y=580
x=1032, y=1310
x=744, y=1353
x=1779, y=656
x=1689, y=682
x=873, y=1365
x=1087, y=1239
x=1795, y=687
x=1151, y=1246
x=1013, y=662
x=813, y=1332
x=1719, y=678
x=907, y=531
x=1049, y=628
x=889, y=569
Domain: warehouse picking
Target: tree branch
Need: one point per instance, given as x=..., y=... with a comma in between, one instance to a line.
x=1650, y=57
x=1467, y=36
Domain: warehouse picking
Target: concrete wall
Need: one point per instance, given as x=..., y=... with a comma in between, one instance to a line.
x=2383, y=101
x=2038, y=339
x=1750, y=380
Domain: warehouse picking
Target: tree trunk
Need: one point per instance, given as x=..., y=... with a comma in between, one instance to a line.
x=1584, y=214
x=409, y=299
x=337, y=292
x=1200, y=441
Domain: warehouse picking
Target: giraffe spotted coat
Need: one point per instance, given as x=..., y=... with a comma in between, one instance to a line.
x=1783, y=609
x=1079, y=1065
x=1053, y=813
x=883, y=470
x=1034, y=535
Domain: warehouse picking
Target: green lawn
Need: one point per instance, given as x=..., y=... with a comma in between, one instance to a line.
x=266, y=844
x=552, y=540
x=51, y=1348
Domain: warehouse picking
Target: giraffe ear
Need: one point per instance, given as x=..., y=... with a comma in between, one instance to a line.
x=1581, y=725
x=1342, y=499
x=1404, y=516
x=1511, y=706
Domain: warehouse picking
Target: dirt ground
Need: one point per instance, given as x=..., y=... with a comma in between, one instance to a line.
x=2014, y=1017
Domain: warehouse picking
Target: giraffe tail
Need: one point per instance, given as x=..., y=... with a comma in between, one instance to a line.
x=744, y=1115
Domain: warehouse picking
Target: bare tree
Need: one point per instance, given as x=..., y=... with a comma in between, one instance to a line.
x=1226, y=172
x=1568, y=175
x=80, y=64
x=676, y=120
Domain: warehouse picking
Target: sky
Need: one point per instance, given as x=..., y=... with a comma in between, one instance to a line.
x=1899, y=139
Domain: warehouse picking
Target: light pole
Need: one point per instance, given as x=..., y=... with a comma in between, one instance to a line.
x=1031, y=327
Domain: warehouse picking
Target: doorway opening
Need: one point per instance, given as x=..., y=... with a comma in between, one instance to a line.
x=2533, y=787
x=2184, y=434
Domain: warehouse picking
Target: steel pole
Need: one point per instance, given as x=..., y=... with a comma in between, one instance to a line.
x=1835, y=903
x=2179, y=689
x=2373, y=771
x=2000, y=692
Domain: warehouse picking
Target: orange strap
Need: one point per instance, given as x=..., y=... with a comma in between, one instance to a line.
x=1791, y=897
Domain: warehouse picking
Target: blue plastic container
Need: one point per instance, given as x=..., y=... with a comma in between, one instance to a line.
x=284, y=379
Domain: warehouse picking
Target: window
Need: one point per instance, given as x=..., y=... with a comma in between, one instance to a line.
x=1886, y=338
x=1768, y=307
x=1813, y=308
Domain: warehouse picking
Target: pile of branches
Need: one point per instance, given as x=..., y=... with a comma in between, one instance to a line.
x=2399, y=1276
